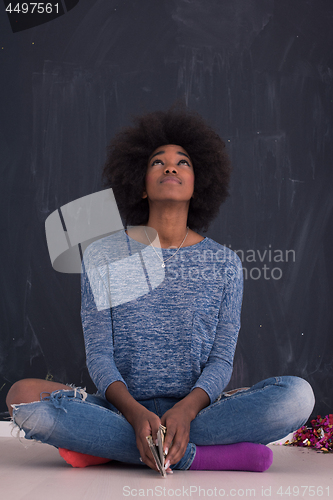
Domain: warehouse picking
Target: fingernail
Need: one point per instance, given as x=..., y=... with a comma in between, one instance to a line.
x=156, y=442
x=167, y=464
x=169, y=471
x=166, y=451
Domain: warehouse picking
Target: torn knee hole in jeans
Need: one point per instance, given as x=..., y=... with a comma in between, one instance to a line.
x=56, y=398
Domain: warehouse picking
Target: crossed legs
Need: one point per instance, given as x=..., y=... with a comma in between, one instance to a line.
x=68, y=418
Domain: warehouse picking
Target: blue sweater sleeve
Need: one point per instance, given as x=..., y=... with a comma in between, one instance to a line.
x=97, y=330
x=218, y=369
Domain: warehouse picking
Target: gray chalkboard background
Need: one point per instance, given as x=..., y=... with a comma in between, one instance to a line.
x=261, y=73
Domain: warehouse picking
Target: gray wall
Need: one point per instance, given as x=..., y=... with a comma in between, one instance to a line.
x=261, y=72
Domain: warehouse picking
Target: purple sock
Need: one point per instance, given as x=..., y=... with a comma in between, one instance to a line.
x=240, y=456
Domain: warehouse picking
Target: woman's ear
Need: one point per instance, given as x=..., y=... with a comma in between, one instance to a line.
x=144, y=195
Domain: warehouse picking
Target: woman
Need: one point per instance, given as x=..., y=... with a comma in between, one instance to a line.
x=161, y=314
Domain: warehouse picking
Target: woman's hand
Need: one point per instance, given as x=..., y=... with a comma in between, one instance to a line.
x=177, y=422
x=145, y=423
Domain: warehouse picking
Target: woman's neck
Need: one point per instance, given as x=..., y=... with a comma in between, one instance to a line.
x=170, y=221
x=171, y=227
x=169, y=235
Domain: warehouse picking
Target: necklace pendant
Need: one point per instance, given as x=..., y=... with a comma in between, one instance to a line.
x=163, y=265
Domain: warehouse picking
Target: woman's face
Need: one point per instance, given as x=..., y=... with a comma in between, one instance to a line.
x=170, y=175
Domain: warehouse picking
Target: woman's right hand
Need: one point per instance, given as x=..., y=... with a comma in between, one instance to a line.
x=145, y=423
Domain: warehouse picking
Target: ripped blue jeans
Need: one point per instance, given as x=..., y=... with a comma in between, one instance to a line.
x=78, y=421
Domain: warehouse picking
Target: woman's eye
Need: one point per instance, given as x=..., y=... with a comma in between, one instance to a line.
x=184, y=162
x=155, y=162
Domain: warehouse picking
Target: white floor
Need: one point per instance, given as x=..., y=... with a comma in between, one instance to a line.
x=35, y=471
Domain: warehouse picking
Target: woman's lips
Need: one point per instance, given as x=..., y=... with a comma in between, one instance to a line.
x=171, y=179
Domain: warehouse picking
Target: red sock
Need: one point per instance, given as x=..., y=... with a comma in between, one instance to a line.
x=76, y=459
x=240, y=456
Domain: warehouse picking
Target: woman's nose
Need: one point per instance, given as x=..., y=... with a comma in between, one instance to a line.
x=170, y=169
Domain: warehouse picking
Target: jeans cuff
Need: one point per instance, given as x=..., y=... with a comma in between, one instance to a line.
x=186, y=462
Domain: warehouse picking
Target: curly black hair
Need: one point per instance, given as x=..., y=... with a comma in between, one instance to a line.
x=128, y=155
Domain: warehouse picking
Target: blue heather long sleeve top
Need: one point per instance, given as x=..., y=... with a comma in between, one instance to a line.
x=161, y=331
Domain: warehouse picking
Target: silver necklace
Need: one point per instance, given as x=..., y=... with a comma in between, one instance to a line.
x=164, y=261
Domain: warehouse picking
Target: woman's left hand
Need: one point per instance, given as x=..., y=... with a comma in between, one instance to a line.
x=177, y=422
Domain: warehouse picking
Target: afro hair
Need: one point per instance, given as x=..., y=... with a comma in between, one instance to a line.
x=127, y=162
